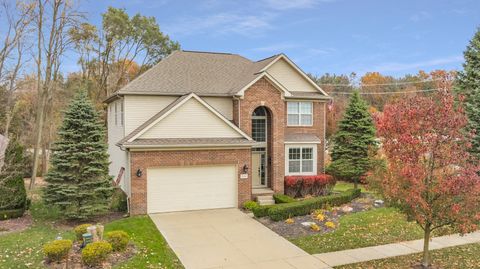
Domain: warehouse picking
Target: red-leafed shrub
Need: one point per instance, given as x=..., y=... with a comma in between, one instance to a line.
x=301, y=186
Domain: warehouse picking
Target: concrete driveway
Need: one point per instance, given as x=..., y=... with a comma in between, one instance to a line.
x=228, y=238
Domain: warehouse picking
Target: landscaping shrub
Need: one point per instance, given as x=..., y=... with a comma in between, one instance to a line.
x=57, y=250
x=80, y=230
x=261, y=211
x=249, y=205
x=301, y=208
x=119, y=200
x=13, y=196
x=118, y=239
x=282, y=198
x=11, y=213
x=301, y=186
x=95, y=253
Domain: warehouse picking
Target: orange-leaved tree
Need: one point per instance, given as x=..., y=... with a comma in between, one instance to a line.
x=430, y=174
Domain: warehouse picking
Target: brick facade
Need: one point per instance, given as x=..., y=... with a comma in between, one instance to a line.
x=151, y=159
x=318, y=128
x=261, y=93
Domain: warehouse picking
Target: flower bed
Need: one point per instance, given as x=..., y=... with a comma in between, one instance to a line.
x=302, y=186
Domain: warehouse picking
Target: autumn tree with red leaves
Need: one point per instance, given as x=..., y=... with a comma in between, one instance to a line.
x=430, y=173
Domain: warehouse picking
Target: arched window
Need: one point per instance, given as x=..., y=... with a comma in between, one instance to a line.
x=259, y=124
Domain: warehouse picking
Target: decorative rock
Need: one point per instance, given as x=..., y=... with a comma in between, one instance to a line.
x=308, y=223
x=379, y=203
x=347, y=209
x=93, y=231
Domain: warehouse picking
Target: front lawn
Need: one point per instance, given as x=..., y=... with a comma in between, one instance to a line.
x=24, y=249
x=363, y=229
x=465, y=256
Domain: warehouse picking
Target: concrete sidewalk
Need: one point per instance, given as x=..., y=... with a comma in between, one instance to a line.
x=391, y=250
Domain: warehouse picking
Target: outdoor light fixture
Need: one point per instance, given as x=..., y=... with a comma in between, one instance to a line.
x=245, y=169
x=139, y=172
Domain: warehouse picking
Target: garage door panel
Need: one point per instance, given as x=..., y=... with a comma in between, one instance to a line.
x=191, y=188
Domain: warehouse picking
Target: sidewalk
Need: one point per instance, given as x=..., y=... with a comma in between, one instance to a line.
x=391, y=250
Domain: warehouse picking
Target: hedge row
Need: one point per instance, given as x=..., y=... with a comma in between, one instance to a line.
x=11, y=213
x=286, y=210
x=282, y=198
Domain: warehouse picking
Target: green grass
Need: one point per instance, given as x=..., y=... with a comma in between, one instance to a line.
x=154, y=251
x=464, y=257
x=363, y=229
x=24, y=249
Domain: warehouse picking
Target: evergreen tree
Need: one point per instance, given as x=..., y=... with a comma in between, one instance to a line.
x=353, y=142
x=12, y=188
x=468, y=85
x=78, y=180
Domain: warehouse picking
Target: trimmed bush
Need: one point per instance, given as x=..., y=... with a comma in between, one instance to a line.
x=261, y=210
x=80, y=230
x=118, y=239
x=301, y=186
x=11, y=213
x=57, y=250
x=96, y=253
x=13, y=196
x=282, y=198
x=249, y=205
x=301, y=208
x=119, y=200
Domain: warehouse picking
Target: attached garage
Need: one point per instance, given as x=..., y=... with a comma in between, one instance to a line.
x=183, y=188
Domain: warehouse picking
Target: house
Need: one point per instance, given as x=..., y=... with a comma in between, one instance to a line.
x=203, y=130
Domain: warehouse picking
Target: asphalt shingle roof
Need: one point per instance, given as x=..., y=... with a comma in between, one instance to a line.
x=204, y=73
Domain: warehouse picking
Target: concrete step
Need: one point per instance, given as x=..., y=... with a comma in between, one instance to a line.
x=265, y=200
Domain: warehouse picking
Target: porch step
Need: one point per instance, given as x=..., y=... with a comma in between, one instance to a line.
x=265, y=200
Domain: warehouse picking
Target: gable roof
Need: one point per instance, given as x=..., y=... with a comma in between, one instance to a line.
x=150, y=123
x=206, y=74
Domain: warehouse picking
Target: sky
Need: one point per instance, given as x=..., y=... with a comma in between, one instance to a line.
x=392, y=37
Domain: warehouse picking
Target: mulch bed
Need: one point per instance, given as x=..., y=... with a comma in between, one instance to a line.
x=15, y=225
x=296, y=229
x=74, y=260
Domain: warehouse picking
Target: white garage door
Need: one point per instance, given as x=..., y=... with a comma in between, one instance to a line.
x=191, y=188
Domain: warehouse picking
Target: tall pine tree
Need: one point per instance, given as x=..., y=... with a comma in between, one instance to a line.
x=468, y=85
x=353, y=141
x=78, y=180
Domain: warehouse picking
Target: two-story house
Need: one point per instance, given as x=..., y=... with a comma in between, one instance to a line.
x=203, y=130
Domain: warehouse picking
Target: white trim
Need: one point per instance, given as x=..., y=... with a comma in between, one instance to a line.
x=271, y=79
x=302, y=142
x=179, y=148
x=283, y=56
x=209, y=107
x=303, y=145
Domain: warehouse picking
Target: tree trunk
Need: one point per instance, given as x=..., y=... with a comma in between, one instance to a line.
x=355, y=183
x=426, y=243
x=44, y=160
x=38, y=139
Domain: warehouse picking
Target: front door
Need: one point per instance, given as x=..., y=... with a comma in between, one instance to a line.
x=258, y=169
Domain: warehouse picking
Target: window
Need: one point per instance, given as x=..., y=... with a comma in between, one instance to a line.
x=299, y=114
x=259, y=125
x=121, y=113
x=301, y=160
x=116, y=114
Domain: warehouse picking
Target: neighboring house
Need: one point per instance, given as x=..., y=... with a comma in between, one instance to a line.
x=206, y=130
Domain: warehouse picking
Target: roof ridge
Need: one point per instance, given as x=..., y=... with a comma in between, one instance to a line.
x=209, y=52
x=273, y=56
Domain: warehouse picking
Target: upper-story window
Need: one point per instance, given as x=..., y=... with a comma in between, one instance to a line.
x=118, y=106
x=299, y=114
x=116, y=114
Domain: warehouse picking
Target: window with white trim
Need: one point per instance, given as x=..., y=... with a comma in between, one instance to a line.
x=301, y=160
x=116, y=114
x=299, y=113
x=121, y=113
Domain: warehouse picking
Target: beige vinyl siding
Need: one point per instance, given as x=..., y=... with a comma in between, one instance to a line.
x=140, y=108
x=286, y=75
x=117, y=157
x=224, y=105
x=191, y=120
